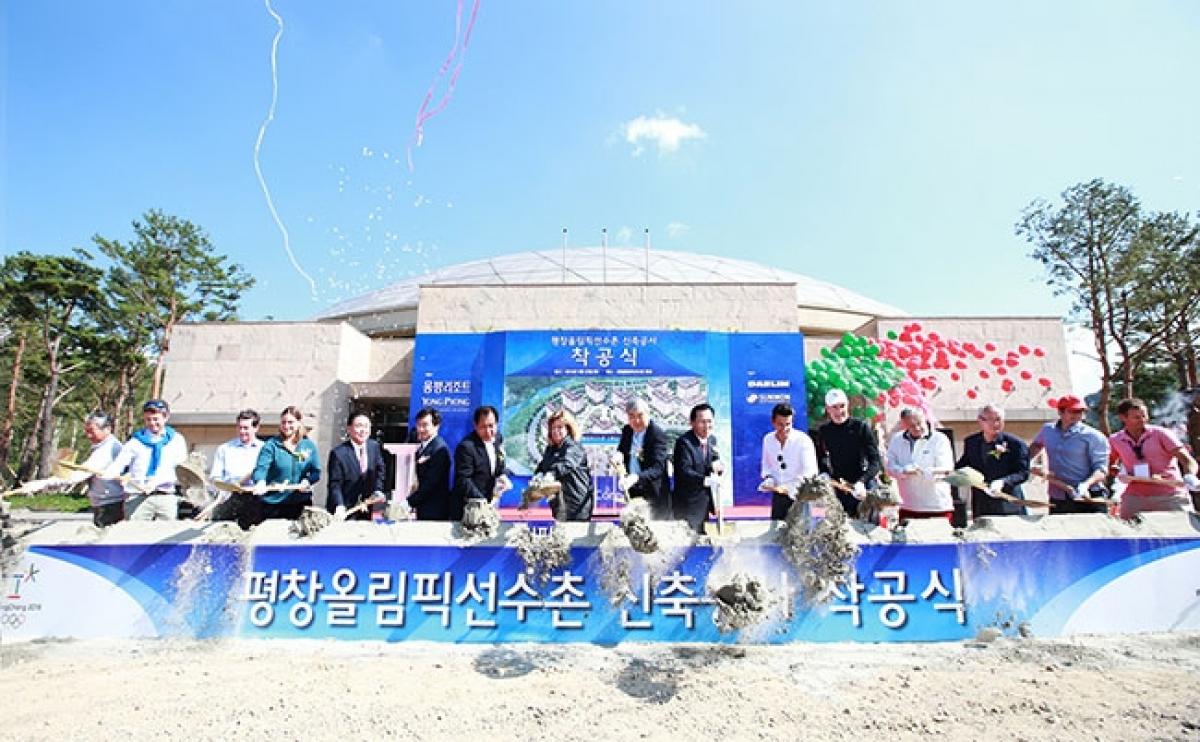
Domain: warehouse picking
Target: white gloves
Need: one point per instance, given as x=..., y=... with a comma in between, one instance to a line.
x=502, y=485
x=712, y=480
x=628, y=481
x=996, y=486
x=1081, y=492
x=860, y=490
x=718, y=468
x=910, y=469
x=259, y=488
x=1192, y=481
x=768, y=484
x=304, y=485
x=339, y=513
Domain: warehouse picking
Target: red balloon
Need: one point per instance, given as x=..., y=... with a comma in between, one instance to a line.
x=1052, y=403
x=1026, y=375
x=989, y=347
x=1039, y=352
x=1024, y=349
x=969, y=347
x=960, y=365
x=997, y=362
x=983, y=374
x=1044, y=382
x=1008, y=385
x=934, y=337
x=1012, y=362
x=916, y=327
x=954, y=376
x=906, y=337
x=1002, y=371
x=979, y=355
x=972, y=394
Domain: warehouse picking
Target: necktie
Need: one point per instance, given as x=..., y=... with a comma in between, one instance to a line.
x=362, y=458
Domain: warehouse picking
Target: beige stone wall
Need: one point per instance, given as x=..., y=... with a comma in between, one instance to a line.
x=1028, y=402
x=216, y=369
x=716, y=307
x=391, y=360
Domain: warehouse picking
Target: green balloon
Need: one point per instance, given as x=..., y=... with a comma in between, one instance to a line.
x=870, y=411
x=872, y=350
x=892, y=335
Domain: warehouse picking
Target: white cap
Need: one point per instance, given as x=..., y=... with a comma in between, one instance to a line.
x=835, y=396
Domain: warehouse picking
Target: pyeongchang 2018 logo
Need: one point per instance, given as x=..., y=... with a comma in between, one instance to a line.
x=15, y=610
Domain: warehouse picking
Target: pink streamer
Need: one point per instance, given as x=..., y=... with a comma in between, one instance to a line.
x=457, y=53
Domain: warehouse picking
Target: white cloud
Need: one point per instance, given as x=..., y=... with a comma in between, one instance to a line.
x=677, y=229
x=667, y=133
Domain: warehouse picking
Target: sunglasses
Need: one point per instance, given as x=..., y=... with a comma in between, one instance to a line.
x=782, y=463
x=155, y=405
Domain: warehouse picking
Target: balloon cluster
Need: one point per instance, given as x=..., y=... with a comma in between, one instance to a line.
x=858, y=368
x=908, y=368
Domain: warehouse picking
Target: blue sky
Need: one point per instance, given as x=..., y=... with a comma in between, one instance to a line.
x=888, y=147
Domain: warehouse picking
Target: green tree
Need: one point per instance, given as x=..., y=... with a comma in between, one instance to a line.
x=1086, y=247
x=55, y=296
x=167, y=274
x=1131, y=277
x=1167, y=324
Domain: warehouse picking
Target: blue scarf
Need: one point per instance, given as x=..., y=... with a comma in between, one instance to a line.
x=156, y=446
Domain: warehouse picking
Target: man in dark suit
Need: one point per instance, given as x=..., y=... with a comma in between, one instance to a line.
x=357, y=471
x=479, y=461
x=1002, y=459
x=697, y=466
x=643, y=447
x=431, y=492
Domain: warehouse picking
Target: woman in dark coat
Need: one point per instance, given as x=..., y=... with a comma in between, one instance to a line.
x=567, y=461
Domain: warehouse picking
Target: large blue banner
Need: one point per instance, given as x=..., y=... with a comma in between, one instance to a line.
x=898, y=592
x=594, y=373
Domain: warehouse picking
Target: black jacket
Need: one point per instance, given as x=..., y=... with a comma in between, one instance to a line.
x=691, y=500
x=432, y=499
x=348, y=483
x=569, y=465
x=474, y=478
x=652, y=483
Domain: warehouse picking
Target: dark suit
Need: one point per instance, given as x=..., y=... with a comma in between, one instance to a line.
x=1006, y=459
x=348, y=483
x=652, y=481
x=691, y=500
x=432, y=499
x=569, y=465
x=474, y=477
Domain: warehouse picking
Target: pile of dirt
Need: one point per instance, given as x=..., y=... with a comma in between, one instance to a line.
x=480, y=520
x=542, y=551
x=310, y=522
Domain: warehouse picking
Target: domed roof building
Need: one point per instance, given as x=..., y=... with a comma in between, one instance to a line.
x=393, y=310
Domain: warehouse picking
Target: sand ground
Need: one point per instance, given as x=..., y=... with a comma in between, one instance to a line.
x=1108, y=688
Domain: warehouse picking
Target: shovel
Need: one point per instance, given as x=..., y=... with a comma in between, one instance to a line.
x=720, y=528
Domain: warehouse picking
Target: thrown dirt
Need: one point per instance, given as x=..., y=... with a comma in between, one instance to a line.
x=821, y=550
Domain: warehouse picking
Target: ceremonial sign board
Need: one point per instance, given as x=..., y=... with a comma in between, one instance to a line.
x=594, y=373
x=442, y=592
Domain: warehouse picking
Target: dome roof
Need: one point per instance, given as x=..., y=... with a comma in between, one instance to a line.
x=616, y=265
